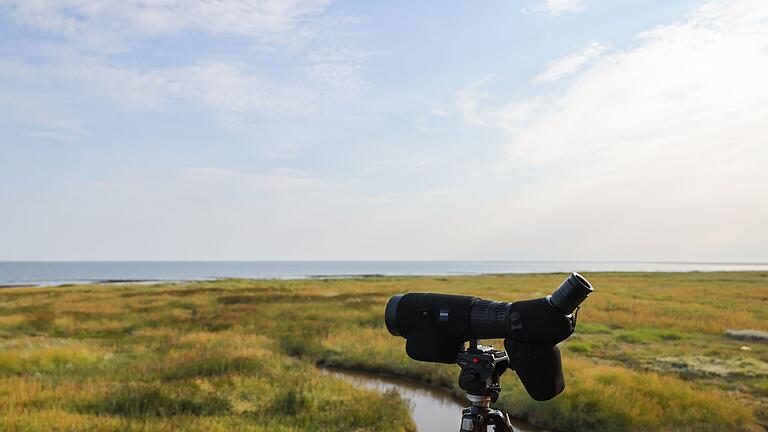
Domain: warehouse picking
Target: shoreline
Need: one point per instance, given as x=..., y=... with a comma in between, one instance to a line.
x=52, y=274
x=331, y=277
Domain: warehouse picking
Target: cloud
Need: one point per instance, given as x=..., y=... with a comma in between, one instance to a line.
x=692, y=86
x=468, y=102
x=320, y=73
x=31, y=117
x=570, y=64
x=439, y=112
x=657, y=151
x=557, y=7
x=274, y=180
x=233, y=88
x=52, y=135
x=343, y=78
x=660, y=148
x=112, y=24
x=229, y=89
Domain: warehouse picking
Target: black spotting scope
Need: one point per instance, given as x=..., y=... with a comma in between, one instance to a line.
x=436, y=326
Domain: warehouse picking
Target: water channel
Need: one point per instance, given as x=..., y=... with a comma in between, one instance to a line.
x=434, y=410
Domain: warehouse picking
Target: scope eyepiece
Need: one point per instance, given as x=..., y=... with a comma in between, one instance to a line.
x=572, y=292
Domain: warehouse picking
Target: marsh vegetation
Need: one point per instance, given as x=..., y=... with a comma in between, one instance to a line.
x=651, y=353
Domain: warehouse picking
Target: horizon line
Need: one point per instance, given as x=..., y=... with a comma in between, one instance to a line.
x=394, y=261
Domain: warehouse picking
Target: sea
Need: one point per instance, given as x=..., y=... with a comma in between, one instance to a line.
x=79, y=272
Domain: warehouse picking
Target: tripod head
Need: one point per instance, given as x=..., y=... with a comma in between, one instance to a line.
x=481, y=367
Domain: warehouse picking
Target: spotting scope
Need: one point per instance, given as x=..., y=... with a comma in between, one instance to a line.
x=436, y=327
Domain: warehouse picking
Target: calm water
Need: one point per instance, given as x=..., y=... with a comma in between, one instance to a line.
x=55, y=273
x=433, y=410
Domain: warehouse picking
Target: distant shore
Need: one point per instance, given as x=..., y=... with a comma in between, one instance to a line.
x=56, y=274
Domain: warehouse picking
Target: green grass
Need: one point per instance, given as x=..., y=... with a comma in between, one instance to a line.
x=579, y=347
x=650, y=353
x=141, y=401
x=647, y=335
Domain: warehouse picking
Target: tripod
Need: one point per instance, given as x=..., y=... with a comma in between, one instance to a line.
x=481, y=368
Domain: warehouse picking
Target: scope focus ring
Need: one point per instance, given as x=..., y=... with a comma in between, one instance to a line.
x=487, y=318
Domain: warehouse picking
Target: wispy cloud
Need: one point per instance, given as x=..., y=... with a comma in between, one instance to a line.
x=112, y=25
x=40, y=124
x=439, y=112
x=343, y=79
x=53, y=134
x=469, y=102
x=274, y=180
x=223, y=87
x=557, y=7
x=88, y=35
x=570, y=64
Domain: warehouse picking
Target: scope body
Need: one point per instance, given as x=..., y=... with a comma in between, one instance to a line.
x=466, y=317
x=436, y=327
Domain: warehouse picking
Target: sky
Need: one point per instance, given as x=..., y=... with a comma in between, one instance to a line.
x=400, y=130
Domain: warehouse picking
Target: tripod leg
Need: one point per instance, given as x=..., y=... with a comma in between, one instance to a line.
x=482, y=419
x=467, y=420
x=500, y=421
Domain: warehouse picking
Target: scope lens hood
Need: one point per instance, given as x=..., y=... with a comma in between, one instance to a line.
x=390, y=314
